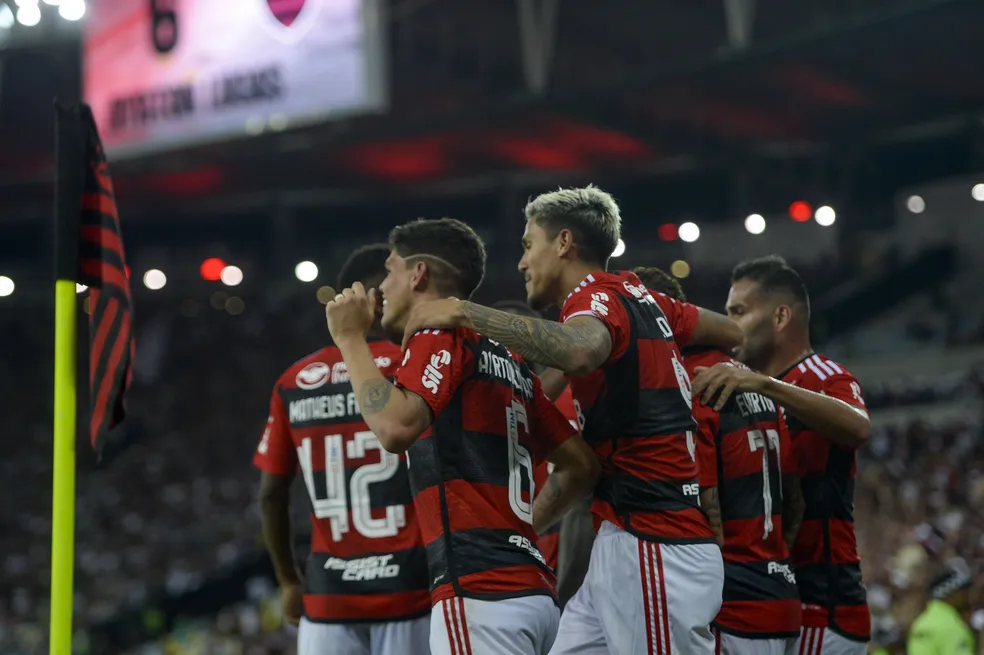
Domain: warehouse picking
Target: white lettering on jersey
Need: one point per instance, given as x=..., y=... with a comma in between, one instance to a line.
x=432, y=377
x=322, y=407
x=374, y=567
x=598, y=303
x=784, y=570
x=751, y=404
x=519, y=541
x=692, y=489
x=506, y=369
x=406, y=358
x=339, y=373
x=640, y=293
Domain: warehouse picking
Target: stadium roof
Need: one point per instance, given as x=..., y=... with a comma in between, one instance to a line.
x=808, y=93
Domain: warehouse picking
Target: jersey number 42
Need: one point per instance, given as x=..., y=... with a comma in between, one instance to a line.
x=342, y=500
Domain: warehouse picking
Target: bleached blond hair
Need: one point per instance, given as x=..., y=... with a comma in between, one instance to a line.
x=590, y=214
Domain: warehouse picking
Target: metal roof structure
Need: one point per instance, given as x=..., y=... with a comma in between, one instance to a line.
x=739, y=99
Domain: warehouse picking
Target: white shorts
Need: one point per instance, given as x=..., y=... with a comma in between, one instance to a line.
x=727, y=644
x=514, y=626
x=642, y=597
x=391, y=638
x=824, y=641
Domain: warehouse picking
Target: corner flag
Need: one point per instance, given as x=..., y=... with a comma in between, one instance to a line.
x=88, y=250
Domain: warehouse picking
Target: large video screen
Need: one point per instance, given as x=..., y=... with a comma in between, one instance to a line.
x=165, y=74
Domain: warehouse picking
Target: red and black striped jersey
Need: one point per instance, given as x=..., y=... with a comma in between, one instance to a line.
x=367, y=561
x=550, y=540
x=744, y=450
x=825, y=553
x=471, y=471
x=635, y=410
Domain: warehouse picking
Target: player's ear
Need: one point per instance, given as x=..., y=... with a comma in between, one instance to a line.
x=419, y=276
x=564, y=242
x=782, y=316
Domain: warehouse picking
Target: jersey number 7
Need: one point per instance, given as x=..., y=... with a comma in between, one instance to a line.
x=341, y=498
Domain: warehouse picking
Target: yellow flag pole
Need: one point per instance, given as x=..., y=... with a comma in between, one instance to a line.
x=63, y=477
x=69, y=181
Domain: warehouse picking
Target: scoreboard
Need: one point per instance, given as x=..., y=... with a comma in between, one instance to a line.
x=166, y=74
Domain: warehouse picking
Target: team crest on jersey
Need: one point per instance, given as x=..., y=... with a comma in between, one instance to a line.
x=313, y=376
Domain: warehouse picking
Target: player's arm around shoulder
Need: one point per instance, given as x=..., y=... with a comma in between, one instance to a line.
x=716, y=330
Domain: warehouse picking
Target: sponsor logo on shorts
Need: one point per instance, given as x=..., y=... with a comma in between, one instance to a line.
x=784, y=570
x=522, y=542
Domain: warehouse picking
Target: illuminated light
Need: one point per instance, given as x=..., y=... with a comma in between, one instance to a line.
x=978, y=192
x=825, y=216
x=619, y=249
x=325, y=294
x=7, y=19
x=72, y=9
x=915, y=204
x=306, y=271
x=235, y=306
x=29, y=15
x=680, y=269
x=278, y=122
x=218, y=299
x=231, y=276
x=154, y=279
x=254, y=125
x=53, y=3
x=80, y=288
x=6, y=286
x=667, y=232
x=689, y=232
x=800, y=211
x=211, y=269
x=755, y=223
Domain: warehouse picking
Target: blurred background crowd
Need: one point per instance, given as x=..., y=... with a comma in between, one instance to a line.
x=846, y=136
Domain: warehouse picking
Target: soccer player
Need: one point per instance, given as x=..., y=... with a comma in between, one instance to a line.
x=825, y=411
x=365, y=590
x=655, y=577
x=473, y=419
x=568, y=536
x=753, y=499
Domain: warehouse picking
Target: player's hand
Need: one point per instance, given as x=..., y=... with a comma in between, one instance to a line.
x=435, y=314
x=351, y=313
x=292, y=602
x=722, y=380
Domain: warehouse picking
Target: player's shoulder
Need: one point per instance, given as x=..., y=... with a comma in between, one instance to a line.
x=311, y=371
x=701, y=356
x=816, y=368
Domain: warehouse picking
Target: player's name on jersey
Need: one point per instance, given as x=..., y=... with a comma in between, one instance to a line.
x=324, y=407
x=505, y=368
x=374, y=567
x=753, y=405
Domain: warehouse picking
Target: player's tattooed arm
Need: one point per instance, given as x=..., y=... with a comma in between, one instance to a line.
x=578, y=346
x=576, y=471
x=396, y=416
x=793, y=507
x=710, y=503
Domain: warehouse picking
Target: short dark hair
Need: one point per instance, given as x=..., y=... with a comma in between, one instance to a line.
x=591, y=215
x=363, y=265
x=516, y=307
x=656, y=279
x=773, y=275
x=455, y=253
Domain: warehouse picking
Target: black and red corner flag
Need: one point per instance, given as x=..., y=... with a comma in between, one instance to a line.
x=89, y=250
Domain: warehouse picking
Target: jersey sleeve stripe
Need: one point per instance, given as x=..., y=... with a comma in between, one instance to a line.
x=813, y=367
x=819, y=362
x=584, y=312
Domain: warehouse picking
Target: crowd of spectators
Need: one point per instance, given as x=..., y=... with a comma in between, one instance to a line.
x=178, y=506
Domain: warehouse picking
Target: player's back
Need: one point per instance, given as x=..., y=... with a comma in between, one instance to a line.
x=825, y=553
x=472, y=471
x=549, y=540
x=744, y=450
x=636, y=411
x=367, y=560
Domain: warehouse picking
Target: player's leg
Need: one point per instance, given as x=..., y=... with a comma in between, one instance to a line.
x=657, y=597
x=401, y=637
x=516, y=626
x=319, y=638
x=823, y=641
x=580, y=631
